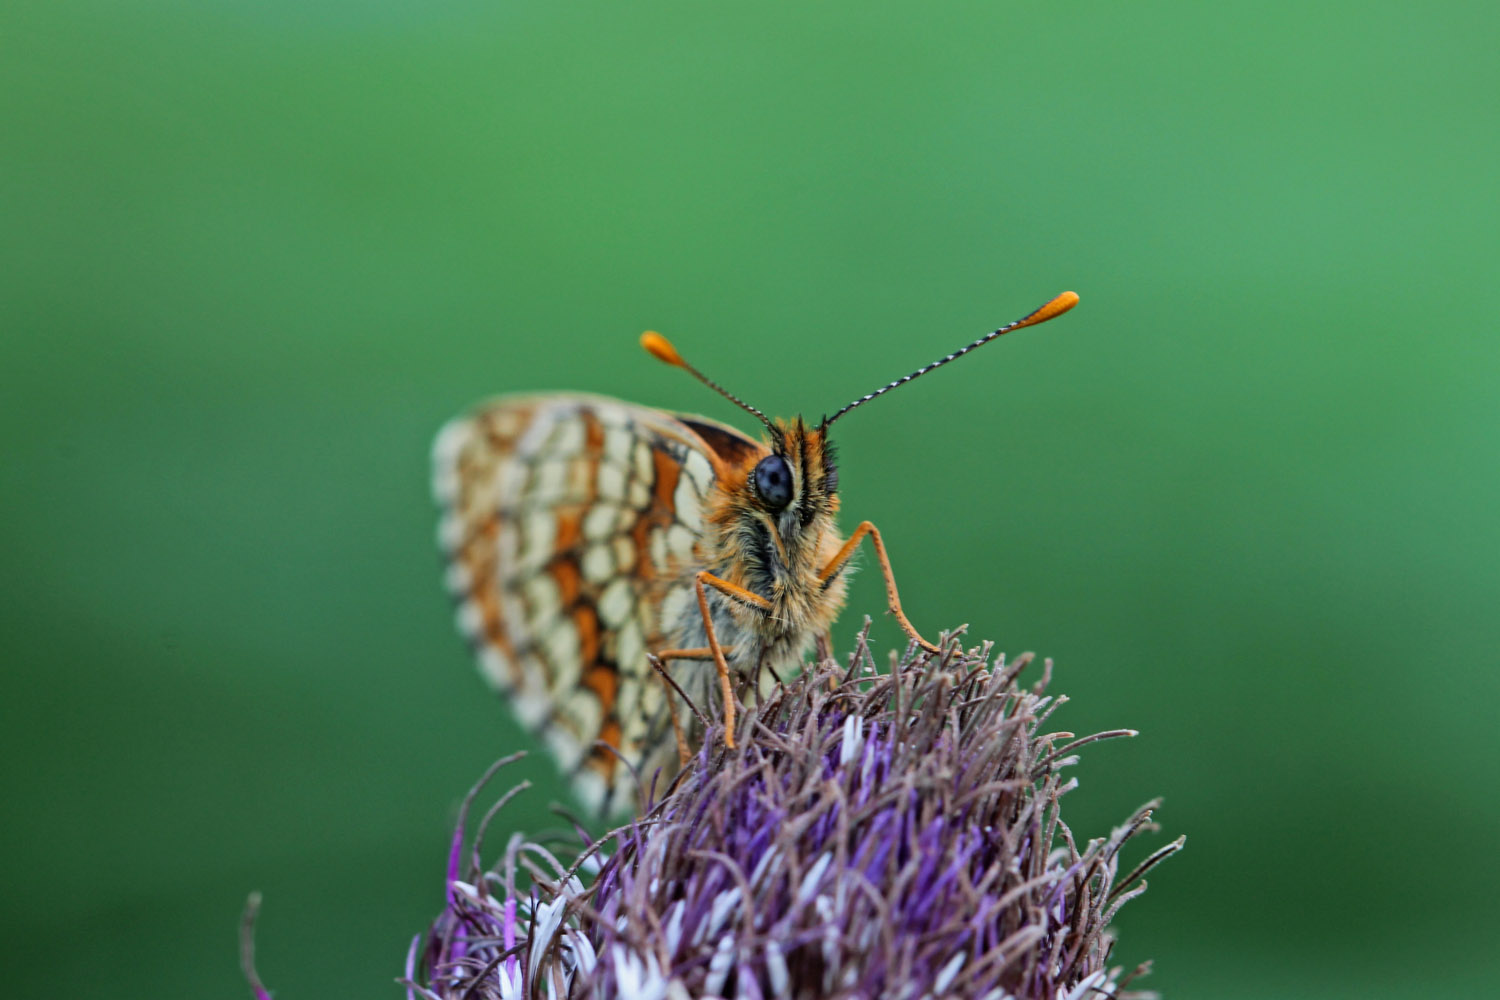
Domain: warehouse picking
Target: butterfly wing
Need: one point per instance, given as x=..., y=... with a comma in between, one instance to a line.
x=566, y=519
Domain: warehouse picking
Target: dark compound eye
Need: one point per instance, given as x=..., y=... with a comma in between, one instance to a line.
x=773, y=481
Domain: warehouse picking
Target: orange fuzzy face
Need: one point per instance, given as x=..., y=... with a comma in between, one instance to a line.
x=777, y=503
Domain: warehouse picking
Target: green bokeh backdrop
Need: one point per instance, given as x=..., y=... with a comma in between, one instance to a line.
x=254, y=253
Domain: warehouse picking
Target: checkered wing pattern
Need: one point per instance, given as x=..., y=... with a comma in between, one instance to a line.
x=566, y=522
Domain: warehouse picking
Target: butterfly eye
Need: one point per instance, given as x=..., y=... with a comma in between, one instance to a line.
x=773, y=481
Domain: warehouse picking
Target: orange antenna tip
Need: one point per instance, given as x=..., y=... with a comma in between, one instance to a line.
x=1053, y=309
x=661, y=348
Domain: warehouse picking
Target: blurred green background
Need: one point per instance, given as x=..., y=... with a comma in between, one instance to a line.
x=253, y=254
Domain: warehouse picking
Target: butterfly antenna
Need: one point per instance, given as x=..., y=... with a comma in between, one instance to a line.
x=1053, y=309
x=661, y=349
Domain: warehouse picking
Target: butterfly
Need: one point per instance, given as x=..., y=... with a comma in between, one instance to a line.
x=616, y=566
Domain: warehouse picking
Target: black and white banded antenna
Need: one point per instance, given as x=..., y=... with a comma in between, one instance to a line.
x=1053, y=309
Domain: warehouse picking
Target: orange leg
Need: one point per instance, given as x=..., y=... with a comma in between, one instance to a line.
x=892, y=598
x=735, y=593
x=659, y=662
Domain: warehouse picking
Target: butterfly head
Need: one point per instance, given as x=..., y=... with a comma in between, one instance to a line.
x=798, y=479
x=783, y=500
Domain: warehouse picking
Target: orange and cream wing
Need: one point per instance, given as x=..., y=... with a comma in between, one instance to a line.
x=566, y=518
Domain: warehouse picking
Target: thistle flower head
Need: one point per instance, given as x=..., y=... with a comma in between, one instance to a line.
x=871, y=835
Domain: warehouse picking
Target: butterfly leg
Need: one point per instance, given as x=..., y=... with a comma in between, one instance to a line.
x=892, y=598
x=742, y=596
x=659, y=662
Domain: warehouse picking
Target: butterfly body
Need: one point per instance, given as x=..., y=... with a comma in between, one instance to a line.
x=592, y=543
